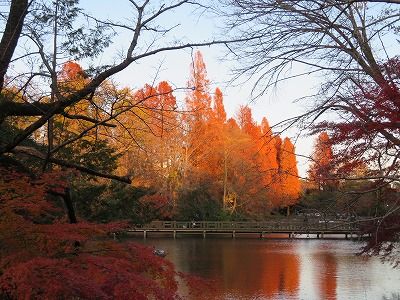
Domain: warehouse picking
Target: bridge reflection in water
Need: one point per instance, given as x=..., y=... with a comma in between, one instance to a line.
x=292, y=228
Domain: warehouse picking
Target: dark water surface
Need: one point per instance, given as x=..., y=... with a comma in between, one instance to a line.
x=282, y=269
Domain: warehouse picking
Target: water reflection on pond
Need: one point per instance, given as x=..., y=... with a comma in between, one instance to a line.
x=282, y=269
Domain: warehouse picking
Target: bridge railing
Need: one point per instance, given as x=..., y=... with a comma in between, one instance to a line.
x=262, y=226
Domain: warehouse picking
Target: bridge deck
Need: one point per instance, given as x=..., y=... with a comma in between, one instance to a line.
x=292, y=228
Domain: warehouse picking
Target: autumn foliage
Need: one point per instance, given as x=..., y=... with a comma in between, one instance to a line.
x=42, y=255
x=289, y=184
x=368, y=132
x=321, y=171
x=239, y=164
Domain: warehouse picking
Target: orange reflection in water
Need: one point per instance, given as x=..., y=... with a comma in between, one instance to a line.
x=328, y=276
x=266, y=270
x=281, y=274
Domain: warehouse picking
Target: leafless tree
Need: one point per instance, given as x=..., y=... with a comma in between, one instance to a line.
x=352, y=46
x=343, y=41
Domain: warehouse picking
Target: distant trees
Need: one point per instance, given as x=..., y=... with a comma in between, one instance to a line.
x=170, y=152
x=213, y=167
x=321, y=171
x=199, y=137
x=289, y=190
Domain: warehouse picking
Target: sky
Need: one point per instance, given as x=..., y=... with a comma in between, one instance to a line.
x=277, y=105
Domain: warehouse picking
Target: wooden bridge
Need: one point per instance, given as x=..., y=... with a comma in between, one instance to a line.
x=292, y=228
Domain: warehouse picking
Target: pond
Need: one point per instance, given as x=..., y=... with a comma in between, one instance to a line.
x=250, y=268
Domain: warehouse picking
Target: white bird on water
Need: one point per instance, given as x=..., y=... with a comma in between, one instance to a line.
x=159, y=252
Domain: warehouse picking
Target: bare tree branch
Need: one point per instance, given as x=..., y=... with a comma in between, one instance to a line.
x=37, y=154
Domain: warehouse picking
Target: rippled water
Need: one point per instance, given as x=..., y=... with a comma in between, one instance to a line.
x=283, y=269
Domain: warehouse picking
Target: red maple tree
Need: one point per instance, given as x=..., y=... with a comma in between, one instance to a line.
x=43, y=255
x=367, y=134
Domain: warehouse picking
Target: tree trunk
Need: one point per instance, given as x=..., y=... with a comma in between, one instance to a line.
x=225, y=180
x=70, y=207
x=11, y=34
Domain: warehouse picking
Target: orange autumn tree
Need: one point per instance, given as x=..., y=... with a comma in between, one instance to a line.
x=131, y=122
x=203, y=147
x=72, y=78
x=207, y=146
x=76, y=118
x=244, y=191
x=198, y=130
x=198, y=100
x=269, y=161
x=214, y=164
x=289, y=182
x=214, y=140
x=247, y=123
x=321, y=170
x=166, y=143
x=80, y=133
x=219, y=113
x=259, y=177
x=159, y=156
x=220, y=153
x=150, y=142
